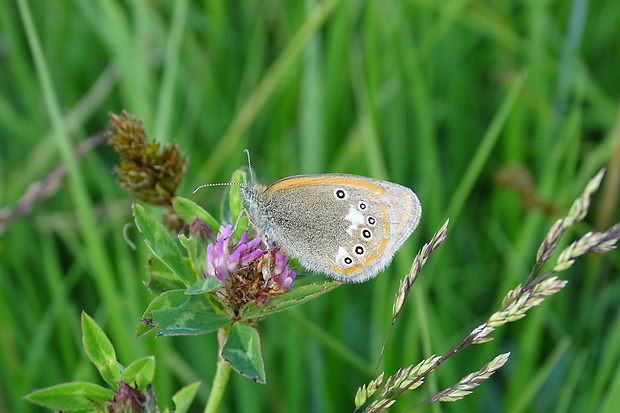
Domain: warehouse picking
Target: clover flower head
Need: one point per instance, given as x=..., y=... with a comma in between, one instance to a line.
x=247, y=270
x=127, y=399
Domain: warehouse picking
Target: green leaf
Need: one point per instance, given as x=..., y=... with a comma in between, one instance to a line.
x=235, y=202
x=168, y=299
x=161, y=243
x=182, y=322
x=140, y=373
x=196, y=316
x=184, y=397
x=292, y=298
x=205, y=285
x=188, y=210
x=196, y=248
x=71, y=396
x=162, y=277
x=100, y=350
x=242, y=351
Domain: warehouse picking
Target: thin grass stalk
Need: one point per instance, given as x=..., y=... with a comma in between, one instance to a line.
x=99, y=262
x=265, y=89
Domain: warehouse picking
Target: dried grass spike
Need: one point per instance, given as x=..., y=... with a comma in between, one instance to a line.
x=580, y=207
x=366, y=391
x=467, y=383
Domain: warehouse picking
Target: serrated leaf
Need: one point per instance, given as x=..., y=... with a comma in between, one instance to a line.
x=100, y=350
x=168, y=299
x=71, y=396
x=140, y=373
x=195, y=317
x=242, y=351
x=292, y=298
x=205, y=285
x=184, y=397
x=161, y=244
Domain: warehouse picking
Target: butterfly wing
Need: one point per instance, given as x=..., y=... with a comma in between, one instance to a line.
x=345, y=226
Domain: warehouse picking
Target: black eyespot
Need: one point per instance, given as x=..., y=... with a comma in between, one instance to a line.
x=340, y=194
x=359, y=250
x=362, y=205
x=348, y=260
x=371, y=221
x=366, y=233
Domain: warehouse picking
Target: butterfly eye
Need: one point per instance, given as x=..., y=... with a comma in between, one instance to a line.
x=340, y=194
x=343, y=257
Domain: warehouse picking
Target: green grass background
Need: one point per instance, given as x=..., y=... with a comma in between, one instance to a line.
x=435, y=95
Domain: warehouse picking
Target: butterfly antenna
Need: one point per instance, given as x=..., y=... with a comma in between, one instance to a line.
x=247, y=151
x=231, y=183
x=218, y=184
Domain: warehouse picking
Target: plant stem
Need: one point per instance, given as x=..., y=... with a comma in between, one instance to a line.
x=221, y=375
